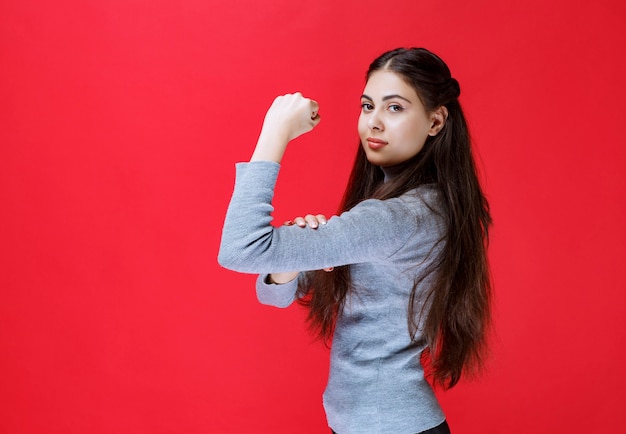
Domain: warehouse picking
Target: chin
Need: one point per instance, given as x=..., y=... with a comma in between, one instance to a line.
x=376, y=160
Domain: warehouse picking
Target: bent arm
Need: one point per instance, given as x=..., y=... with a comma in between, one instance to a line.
x=372, y=231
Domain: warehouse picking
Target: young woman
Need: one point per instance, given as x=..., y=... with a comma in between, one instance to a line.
x=402, y=276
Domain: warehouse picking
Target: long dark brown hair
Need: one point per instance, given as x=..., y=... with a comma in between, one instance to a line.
x=456, y=322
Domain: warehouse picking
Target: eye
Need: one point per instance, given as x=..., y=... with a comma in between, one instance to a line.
x=367, y=107
x=395, y=108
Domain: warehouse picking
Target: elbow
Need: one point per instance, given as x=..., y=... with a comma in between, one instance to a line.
x=240, y=260
x=228, y=259
x=231, y=253
x=243, y=254
x=224, y=260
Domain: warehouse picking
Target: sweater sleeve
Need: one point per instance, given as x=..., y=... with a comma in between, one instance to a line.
x=274, y=294
x=370, y=232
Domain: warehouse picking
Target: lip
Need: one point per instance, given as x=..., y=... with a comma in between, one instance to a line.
x=375, y=143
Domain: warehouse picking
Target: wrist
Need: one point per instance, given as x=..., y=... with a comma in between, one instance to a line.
x=270, y=146
x=281, y=278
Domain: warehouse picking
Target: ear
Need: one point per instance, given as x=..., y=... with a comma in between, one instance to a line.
x=438, y=119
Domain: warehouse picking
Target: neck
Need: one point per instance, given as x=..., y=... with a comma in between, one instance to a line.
x=391, y=172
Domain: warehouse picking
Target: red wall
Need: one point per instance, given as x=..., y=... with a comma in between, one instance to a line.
x=120, y=123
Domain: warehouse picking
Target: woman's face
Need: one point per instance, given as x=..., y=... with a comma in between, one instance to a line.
x=393, y=125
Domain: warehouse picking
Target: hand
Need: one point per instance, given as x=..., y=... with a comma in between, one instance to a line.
x=289, y=117
x=313, y=221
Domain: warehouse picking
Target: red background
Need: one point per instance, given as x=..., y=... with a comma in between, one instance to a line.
x=121, y=121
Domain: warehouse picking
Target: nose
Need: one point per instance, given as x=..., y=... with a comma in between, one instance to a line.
x=375, y=122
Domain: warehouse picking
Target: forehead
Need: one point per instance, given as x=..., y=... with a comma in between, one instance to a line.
x=384, y=82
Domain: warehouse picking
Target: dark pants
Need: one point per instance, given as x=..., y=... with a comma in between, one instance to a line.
x=439, y=429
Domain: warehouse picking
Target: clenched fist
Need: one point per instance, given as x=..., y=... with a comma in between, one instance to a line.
x=292, y=115
x=289, y=117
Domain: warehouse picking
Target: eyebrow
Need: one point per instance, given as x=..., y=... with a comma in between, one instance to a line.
x=387, y=97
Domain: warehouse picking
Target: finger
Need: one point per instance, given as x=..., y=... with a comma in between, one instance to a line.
x=329, y=269
x=321, y=218
x=315, y=108
x=288, y=223
x=300, y=222
x=312, y=221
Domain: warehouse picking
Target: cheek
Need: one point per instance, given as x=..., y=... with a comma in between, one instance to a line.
x=362, y=125
x=417, y=131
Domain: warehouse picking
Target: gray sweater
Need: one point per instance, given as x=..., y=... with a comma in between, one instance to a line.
x=376, y=383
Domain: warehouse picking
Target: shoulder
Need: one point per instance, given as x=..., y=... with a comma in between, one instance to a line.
x=423, y=207
x=415, y=209
x=421, y=201
x=427, y=194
